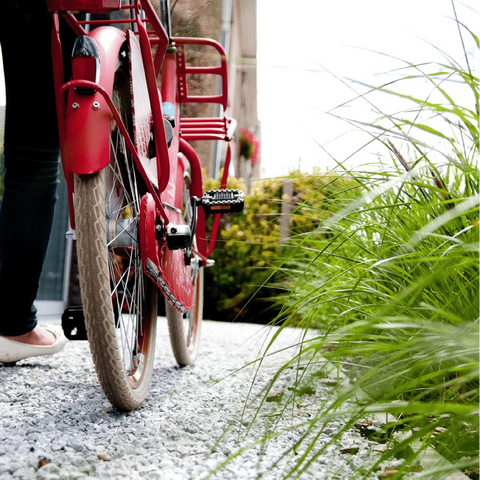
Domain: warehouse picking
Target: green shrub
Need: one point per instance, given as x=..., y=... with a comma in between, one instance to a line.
x=248, y=244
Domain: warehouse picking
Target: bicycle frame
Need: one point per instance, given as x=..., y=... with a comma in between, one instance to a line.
x=84, y=122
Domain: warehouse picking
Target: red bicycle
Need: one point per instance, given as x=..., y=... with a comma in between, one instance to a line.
x=134, y=181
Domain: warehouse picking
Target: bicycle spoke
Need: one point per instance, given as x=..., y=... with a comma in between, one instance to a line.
x=122, y=320
x=128, y=292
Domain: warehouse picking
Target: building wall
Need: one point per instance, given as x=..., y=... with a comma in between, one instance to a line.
x=199, y=18
x=243, y=79
x=233, y=24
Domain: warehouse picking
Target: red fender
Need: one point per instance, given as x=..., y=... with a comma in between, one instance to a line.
x=86, y=147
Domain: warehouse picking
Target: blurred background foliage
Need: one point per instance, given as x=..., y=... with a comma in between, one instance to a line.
x=249, y=244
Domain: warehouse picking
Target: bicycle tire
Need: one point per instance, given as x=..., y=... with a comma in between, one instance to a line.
x=119, y=301
x=185, y=328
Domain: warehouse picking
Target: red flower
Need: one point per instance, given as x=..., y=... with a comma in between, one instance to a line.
x=249, y=145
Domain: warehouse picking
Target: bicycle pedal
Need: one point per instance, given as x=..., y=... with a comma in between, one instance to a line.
x=73, y=324
x=223, y=201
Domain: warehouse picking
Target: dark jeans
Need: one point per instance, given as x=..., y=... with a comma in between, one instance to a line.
x=31, y=160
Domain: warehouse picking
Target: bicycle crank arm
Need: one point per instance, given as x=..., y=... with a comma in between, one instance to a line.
x=179, y=236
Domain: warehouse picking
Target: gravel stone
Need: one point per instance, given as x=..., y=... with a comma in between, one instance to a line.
x=193, y=419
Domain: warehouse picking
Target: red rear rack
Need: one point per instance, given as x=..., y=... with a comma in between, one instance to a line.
x=203, y=128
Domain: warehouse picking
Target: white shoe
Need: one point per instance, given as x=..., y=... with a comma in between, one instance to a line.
x=12, y=351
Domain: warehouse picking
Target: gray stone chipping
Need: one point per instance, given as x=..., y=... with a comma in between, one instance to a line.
x=55, y=422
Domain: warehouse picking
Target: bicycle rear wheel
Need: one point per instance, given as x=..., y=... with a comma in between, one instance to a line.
x=119, y=301
x=185, y=328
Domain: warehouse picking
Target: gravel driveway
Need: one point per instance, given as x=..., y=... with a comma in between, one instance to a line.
x=56, y=424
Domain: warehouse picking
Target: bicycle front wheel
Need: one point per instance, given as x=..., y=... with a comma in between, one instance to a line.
x=184, y=328
x=119, y=301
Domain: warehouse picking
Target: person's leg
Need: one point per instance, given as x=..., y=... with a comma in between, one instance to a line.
x=31, y=160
